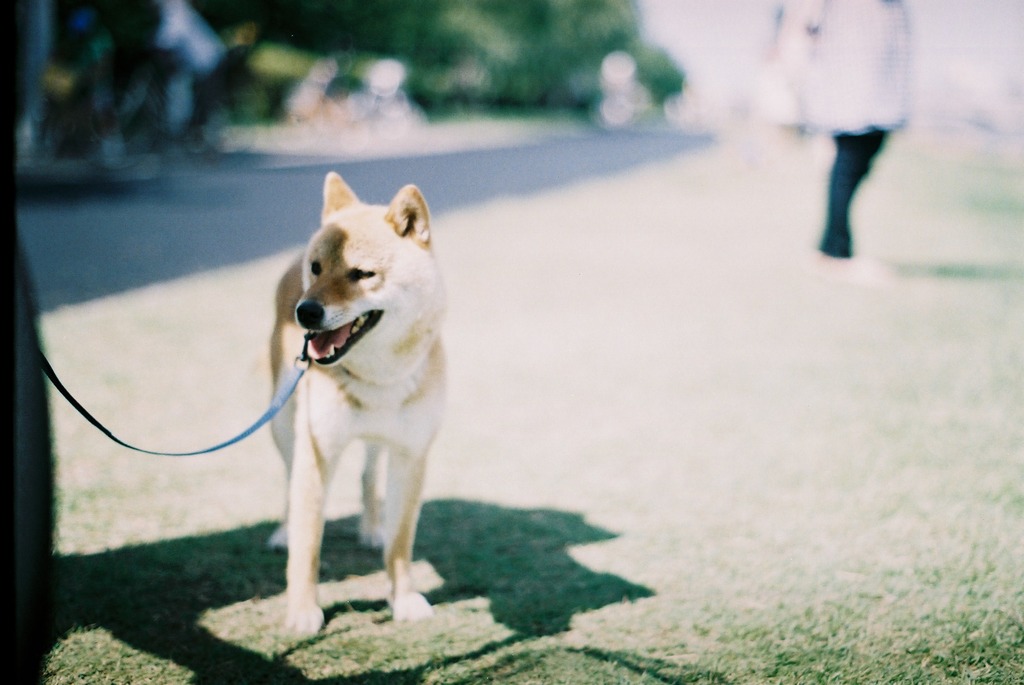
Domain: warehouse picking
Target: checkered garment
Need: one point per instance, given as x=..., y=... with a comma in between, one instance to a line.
x=859, y=76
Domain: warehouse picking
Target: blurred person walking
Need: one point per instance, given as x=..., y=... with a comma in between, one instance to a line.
x=194, y=56
x=856, y=91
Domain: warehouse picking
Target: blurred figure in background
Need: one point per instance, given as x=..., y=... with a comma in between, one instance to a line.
x=856, y=91
x=194, y=56
x=79, y=83
x=623, y=99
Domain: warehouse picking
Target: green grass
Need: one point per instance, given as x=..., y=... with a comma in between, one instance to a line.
x=671, y=454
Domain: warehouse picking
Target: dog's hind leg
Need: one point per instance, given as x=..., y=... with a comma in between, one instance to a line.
x=371, y=530
x=402, y=511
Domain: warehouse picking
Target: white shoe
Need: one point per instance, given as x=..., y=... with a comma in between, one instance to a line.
x=855, y=270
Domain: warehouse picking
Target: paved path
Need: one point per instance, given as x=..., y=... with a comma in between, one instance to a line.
x=102, y=235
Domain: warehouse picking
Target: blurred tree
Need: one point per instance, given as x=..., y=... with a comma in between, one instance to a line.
x=481, y=53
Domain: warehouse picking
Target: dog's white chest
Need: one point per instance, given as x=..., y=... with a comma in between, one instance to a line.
x=342, y=412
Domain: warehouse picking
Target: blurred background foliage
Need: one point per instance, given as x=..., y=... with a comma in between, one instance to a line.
x=458, y=54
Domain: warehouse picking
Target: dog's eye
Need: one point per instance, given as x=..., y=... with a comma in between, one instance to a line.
x=315, y=268
x=360, y=275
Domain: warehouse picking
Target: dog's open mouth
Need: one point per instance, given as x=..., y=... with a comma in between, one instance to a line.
x=327, y=347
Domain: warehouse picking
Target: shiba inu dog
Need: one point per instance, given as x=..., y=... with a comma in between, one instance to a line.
x=368, y=296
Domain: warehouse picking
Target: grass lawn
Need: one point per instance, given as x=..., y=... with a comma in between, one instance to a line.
x=671, y=455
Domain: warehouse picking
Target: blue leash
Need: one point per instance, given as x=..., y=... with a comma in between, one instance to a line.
x=284, y=391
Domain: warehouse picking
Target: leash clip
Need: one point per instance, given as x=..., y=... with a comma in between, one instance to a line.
x=303, y=361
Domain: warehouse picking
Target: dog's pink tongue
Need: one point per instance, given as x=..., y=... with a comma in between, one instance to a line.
x=324, y=343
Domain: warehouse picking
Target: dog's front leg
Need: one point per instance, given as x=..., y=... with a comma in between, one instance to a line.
x=402, y=511
x=305, y=534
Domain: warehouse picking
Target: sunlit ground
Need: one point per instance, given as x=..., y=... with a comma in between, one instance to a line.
x=672, y=454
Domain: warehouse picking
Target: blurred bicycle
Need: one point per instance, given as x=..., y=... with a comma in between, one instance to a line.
x=81, y=117
x=142, y=109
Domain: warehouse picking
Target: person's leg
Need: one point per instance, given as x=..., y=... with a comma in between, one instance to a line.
x=209, y=94
x=179, y=104
x=854, y=154
x=203, y=127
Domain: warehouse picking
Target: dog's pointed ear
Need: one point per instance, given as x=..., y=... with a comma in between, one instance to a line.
x=337, y=194
x=409, y=215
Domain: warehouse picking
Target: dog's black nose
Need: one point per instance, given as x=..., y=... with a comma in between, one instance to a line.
x=309, y=314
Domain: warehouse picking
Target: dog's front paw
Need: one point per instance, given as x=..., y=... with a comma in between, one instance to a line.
x=411, y=606
x=279, y=539
x=305, y=621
